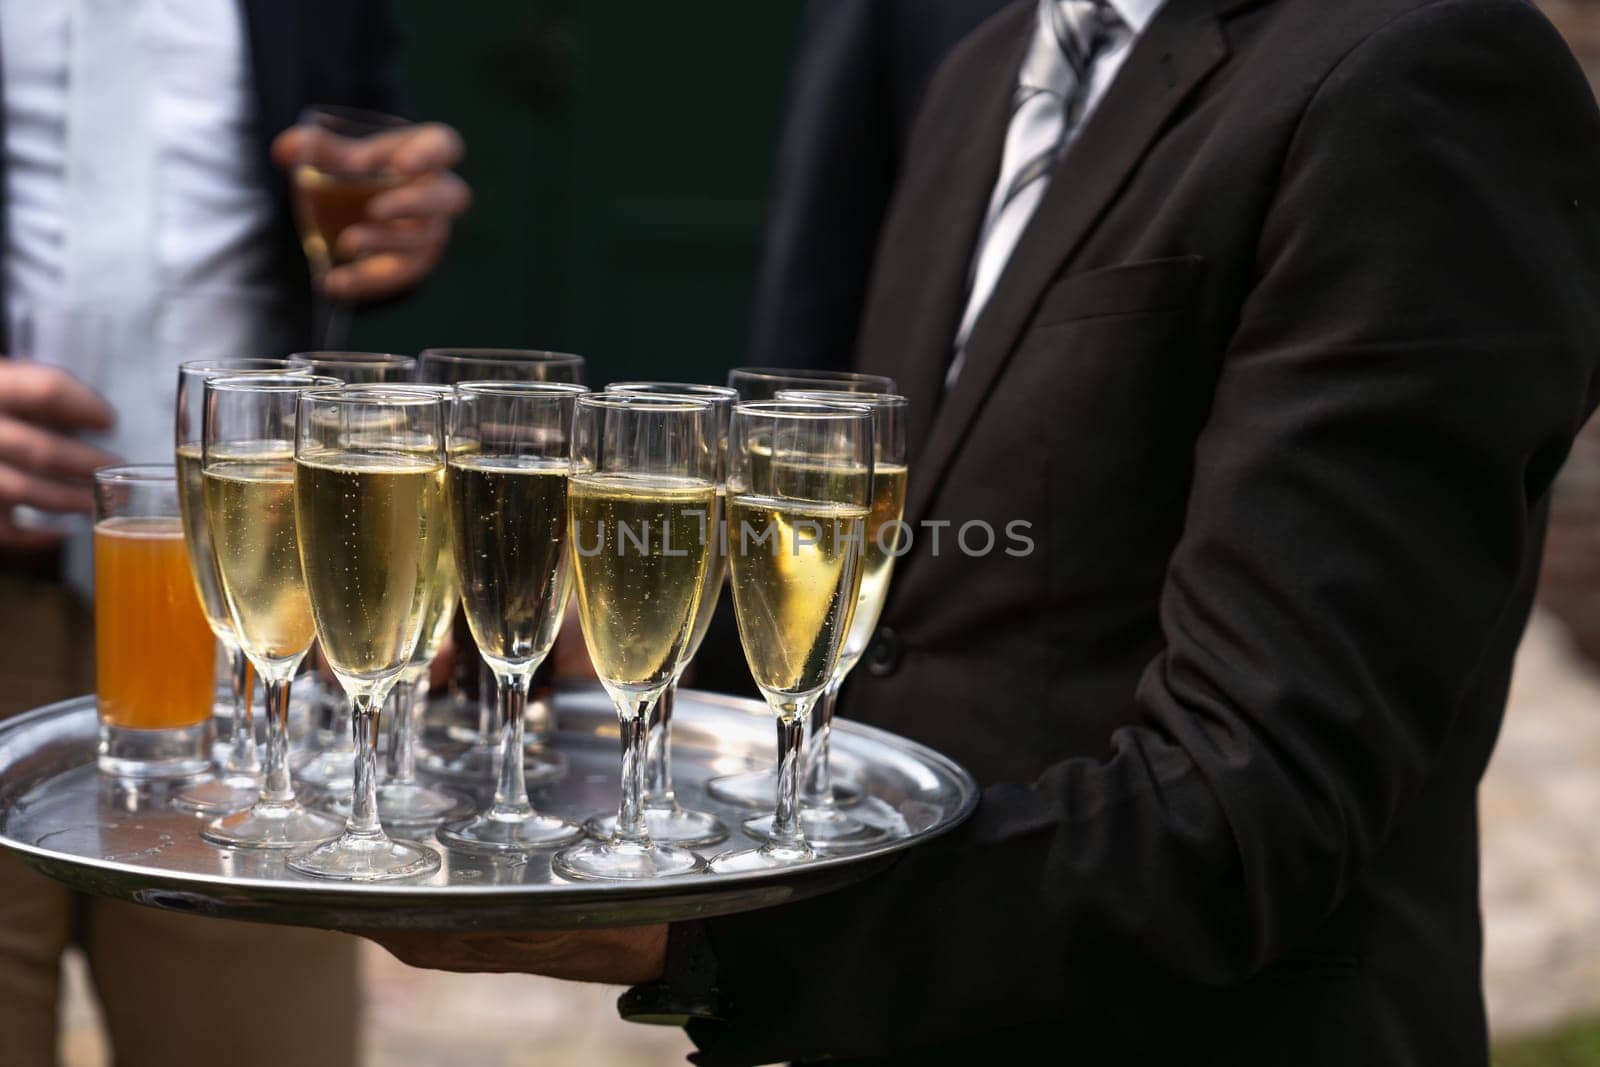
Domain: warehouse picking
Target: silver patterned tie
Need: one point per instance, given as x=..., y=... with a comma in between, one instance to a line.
x=1052, y=88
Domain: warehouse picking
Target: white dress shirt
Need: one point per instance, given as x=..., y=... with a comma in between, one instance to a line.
x=138, y=213
x=194, y=243
x=994, y=250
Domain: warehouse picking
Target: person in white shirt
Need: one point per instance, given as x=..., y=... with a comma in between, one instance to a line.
x=146, y=221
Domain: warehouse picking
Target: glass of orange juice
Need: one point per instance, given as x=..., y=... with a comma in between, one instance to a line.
x=153, y=646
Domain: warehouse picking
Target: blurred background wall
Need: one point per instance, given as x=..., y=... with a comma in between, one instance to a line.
x=620, y=155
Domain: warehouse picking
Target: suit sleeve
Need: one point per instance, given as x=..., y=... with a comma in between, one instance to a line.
x=1407, y=372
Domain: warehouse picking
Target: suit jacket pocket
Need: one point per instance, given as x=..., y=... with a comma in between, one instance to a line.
x=1129, y=288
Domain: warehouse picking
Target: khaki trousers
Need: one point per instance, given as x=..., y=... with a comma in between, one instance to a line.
x=175, y=990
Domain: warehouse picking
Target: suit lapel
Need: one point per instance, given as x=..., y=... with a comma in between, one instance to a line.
x=1178, y=49
x=920, y=277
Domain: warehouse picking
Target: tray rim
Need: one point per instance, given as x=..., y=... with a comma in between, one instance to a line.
x=549, y=894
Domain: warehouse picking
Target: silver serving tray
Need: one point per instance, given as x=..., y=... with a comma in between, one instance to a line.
x=97, y=836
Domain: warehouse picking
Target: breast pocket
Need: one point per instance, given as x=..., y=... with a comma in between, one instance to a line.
x=1107, y=365
x=1148, y=286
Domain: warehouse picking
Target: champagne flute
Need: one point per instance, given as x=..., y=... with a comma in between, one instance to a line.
x=763, y=383
x=642, y=497
x=371, y=516
x=799, y=493
x=343, y=165
x=669, y=820
x=826, y=826
x=755, y=789
x=329, y=750
x=248, y=470
x=448, y=366
x=402, y=800
x=357, y=368
x=509, y=444
x=474, y=760
x=238, y=778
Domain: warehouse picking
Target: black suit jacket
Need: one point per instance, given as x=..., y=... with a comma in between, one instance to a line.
x=1280, y=374
x=302, y=52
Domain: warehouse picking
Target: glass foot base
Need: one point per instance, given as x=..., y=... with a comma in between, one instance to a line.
x=332, y=770
x=497, y=835
x=363, y=858
x=473, y=764
x=759, y=789
x=604, y=861
x=765, y=858
x=227, y=794
x=406, y=804
x=826, y=830
x=271, y=826
x=671, y=826
x=178, y=752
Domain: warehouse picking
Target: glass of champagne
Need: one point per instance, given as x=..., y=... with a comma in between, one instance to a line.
x=238, y=779
x=327, y=759
x=343, y=165
x=509, y=445
x=357, y=368
x=248, y=470
x=799, y=494
x=469, y=757
x=755, y=789
x=826, y=826
x=669, y=820
x=402, y=800
x=764, y=383
x=369, y=506
x=448, y=366
x=642, y=498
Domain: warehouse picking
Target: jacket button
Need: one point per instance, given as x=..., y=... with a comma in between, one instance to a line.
x=883, y=653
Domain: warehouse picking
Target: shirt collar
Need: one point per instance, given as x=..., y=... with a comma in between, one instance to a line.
x=1136, y=13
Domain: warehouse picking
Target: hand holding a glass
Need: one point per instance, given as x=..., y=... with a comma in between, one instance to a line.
x=42, y=466
x=375, y=196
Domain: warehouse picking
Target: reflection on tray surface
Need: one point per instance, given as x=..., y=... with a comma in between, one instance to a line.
x=78, y=813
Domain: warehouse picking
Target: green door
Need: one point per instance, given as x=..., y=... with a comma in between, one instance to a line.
x=620, y=156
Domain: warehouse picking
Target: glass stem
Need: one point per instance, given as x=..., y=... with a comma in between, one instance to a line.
x=634, y=719
x=786, y=835
x=364, y=804
x=489, y=699
x=511, y=785
x=242, y=757
x=658, y=791
x=818, y=772
x=402, y=762
x=275, y=786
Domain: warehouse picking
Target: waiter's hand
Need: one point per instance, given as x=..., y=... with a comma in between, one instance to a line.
x=407, y=227
x=625, y=955
x=40, y=465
